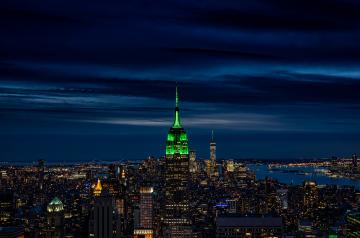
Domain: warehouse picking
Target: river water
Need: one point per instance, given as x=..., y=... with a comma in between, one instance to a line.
x=300, y=174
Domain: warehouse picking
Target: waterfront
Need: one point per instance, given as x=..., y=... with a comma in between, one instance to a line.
x=289, y=175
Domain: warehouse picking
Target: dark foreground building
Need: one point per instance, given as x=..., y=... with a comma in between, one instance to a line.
x=353, y=224
x=254, y=227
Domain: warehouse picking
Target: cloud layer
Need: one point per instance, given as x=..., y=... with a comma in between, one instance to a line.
x=242, y=67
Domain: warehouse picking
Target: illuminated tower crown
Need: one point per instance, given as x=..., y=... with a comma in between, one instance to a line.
x=55, y=218
x=177, y=142
x=55, y=205
x=98, y=188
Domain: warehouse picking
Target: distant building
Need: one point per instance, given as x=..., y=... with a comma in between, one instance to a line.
x=232, y=205
x=192, y=162
x=208, y=167
x=55, y=219
x=254, y=227
x=213, y=165
x=354, y=161
x=283, y=197
x=230, y=166
x=41, y=173
x=310, y=198
x=121, y=216
x=6, y=207
x=305, y=229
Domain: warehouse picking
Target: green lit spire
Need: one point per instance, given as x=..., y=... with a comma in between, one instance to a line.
x=177, y=97
x=177, y=141
x=176, y=123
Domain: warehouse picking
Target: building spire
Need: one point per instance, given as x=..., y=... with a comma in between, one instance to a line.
x=177, y=97
x=176, y=123
x=98, y=188
x=212, y=135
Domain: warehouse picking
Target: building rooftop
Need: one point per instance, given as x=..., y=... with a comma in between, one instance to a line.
x=98, y=188
x=249, y=221
x=55, y=201
x=55, y=205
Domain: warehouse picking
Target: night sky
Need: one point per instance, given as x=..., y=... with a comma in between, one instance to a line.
x=84, y=80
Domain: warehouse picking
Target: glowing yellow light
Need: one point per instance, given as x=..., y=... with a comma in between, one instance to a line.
x=98, y=188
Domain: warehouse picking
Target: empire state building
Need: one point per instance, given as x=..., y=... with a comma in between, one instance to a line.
x=177, y=217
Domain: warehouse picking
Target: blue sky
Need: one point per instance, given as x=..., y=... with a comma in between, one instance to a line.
x=274, y=79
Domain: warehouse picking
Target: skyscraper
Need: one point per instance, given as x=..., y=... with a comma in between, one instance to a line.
x=55, y=217
x=41, y=173
x=102, y=216
x=121, y=210
x=177, y=218
x=146, y=207
x=192, y=162
x=213, y=165
x=145, y=226
x=6, y=207
x=310, y=198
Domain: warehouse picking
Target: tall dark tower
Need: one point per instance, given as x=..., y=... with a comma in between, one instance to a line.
x=101, y=216
x=177, y=216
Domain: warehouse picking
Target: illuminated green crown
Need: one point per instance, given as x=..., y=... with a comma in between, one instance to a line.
x=177, y=142
x=55, y=205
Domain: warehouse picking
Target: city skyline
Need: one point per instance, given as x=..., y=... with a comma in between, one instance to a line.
x=180, y=119
x=83, y=81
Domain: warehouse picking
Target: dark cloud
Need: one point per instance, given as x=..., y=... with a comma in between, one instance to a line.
x=88, y=67
x=278, y=87
x=139, y=33
x=18, y=17
x=283, y=15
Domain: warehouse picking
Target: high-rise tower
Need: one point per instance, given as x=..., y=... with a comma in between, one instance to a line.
x=177, y=216
x=55, y=217
x=41, y=172
x=213, y=165
x=311, y=197
x=145, y=226
x=101, y=216
x=192, y=162
x=6, y=207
